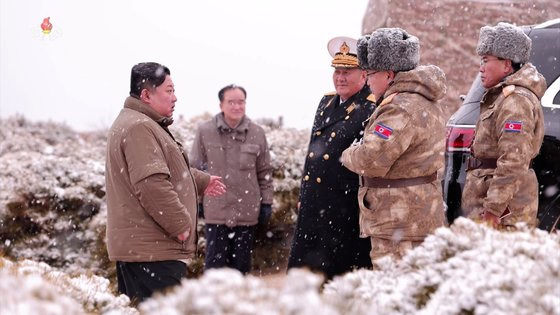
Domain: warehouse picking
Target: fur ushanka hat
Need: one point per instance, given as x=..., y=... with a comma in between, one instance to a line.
x=504, y=41
x=389, y=49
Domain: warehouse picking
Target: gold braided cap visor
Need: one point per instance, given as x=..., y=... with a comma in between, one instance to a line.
x=345, y=61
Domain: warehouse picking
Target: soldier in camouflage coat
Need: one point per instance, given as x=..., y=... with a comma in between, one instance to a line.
x=400, y=198
x=501, y=187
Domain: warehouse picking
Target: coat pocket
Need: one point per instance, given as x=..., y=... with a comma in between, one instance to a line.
x=487, y=113
x=367, y=203
x=475, y=190
x=248, y=156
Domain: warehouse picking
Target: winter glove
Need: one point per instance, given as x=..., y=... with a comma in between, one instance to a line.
x=265, y=213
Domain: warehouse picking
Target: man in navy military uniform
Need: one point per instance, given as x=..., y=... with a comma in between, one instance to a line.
x=327, y=232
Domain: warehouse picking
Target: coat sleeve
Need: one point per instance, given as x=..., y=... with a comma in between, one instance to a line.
x=264, y=172
x=198, y=154
x=201, y=179
x=143, y=153
x=158, y=198
x=514, y=151
x=199, y=162
x=149, y=177
x=380, y=148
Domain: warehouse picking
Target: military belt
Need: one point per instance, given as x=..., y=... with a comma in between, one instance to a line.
x=475, y=163
x=378, y=182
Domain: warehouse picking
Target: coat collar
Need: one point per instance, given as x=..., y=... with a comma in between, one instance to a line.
x=136, y=104
x=223, y=127
x=342, y=111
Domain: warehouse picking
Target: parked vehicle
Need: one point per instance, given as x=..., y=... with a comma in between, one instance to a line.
x=545, y=56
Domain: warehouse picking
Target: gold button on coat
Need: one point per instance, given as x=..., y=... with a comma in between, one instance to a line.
x=326, y=156
x=333, y=134
x=311, y=154
x=319, y=180
x=318, y=133
x=306, y=177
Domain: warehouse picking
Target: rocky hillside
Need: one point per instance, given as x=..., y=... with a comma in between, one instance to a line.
x=52, y=194
x=448, y=30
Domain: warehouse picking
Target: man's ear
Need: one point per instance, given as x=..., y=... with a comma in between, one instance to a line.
x=508, y=66
x=364, y=74
x=145, y=96
x=390, y=75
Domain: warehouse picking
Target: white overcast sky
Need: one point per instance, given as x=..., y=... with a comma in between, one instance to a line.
x=80, y=73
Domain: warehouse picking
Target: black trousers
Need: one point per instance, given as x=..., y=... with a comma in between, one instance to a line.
x=139, y=280
x=229, y=247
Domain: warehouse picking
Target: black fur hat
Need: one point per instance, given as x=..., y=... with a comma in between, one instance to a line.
x=389, y=49
x=504, y=41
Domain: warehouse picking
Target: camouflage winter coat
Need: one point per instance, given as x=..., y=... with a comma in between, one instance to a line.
x=510, y=129
x=404, y=138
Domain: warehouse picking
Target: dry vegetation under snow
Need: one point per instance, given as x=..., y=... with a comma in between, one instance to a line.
x=52, y=210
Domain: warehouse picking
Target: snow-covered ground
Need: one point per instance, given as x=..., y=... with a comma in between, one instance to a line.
x=29, y=287
x=52, y=210
x=466, y=269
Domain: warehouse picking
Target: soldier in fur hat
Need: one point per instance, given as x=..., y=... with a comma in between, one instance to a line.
x=327, y=233
x=501, y=187
x=400, y=197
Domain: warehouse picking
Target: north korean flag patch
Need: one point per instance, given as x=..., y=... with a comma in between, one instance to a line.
x=382, y=131
x=513, y=126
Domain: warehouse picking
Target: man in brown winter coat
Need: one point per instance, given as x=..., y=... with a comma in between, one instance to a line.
x=234, y=147
x=400, y=197
x=501, y=187
x=151, y=190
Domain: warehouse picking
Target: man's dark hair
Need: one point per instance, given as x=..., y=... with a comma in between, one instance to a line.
x=147, y=75
x=230, y=87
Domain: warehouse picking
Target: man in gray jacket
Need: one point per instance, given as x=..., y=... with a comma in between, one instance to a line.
x=151, y=190
x=232, y=146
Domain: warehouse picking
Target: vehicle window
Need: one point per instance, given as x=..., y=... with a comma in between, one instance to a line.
x=475, y=92
x=546, y=53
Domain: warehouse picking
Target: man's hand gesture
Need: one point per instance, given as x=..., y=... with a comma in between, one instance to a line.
x=215, y=187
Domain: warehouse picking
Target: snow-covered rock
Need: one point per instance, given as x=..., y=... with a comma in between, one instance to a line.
x=466, y=269
x=29, y=287
x=226, y=291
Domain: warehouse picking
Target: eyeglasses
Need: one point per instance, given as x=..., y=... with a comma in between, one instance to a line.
x=371, y=73
x=235, y=102
x=486, y=60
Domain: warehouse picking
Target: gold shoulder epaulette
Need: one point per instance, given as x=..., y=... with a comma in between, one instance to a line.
x=330, y=93
x=388, y=99
x=350, y=108
x=507, y=90
x=371, y=98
